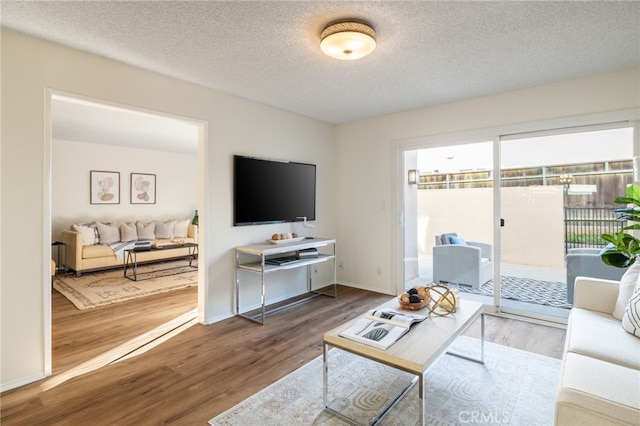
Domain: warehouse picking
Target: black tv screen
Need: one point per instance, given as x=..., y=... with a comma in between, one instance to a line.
x=269, y=191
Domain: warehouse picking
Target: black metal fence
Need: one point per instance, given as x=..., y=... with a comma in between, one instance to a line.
x=583, y=227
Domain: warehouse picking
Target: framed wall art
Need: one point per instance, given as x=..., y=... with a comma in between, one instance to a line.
x=143, y=188
x=104, y=187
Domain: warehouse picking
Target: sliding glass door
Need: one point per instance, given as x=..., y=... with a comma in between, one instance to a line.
x=450, y=211
x=556, y=191
x=536, y=204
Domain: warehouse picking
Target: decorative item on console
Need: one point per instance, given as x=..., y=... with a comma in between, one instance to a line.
x=287, y=237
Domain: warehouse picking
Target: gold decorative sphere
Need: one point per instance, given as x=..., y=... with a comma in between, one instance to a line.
x=444, y=300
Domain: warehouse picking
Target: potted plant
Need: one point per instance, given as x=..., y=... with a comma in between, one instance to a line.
x=623, y=248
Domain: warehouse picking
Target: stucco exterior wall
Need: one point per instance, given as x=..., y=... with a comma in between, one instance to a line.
x=533, y=234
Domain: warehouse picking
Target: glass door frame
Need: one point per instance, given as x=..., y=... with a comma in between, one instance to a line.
x=624, y=118
x=575, y=130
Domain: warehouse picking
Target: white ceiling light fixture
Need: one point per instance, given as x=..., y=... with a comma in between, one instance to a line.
x=348, y=40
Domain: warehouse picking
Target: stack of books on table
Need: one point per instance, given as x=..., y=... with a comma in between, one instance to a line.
x=142, y=246
x=307, y=253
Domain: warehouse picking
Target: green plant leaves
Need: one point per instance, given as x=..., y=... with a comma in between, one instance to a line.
x=624, y=248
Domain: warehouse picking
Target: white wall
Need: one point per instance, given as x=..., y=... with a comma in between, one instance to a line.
x=233, y=126
x=366, y=191
x=176, y=184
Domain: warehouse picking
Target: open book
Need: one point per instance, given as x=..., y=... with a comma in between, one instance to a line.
x=381, y=328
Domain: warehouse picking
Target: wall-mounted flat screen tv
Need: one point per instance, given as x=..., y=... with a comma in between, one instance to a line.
x=270, y=191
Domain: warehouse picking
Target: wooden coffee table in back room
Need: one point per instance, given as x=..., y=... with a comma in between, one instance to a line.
x=414, y=353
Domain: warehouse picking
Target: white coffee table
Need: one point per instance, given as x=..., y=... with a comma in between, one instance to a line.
x=414, y=353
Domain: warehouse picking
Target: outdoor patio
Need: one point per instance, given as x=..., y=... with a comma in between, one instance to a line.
x=550, y=201
x=534, y=289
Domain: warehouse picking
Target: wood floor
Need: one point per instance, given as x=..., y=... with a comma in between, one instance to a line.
x=204, y=370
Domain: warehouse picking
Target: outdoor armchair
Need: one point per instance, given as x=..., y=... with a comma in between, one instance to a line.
x=586, y=262
x=461, y=262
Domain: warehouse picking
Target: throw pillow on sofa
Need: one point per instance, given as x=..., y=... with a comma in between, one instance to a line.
x=628, y=283
x=631, y=317
x=181, y=228
x=89, y=234
x=459, y=241
x=147, y=232
x=128, y=232
x=109, y=233
x=164, y=229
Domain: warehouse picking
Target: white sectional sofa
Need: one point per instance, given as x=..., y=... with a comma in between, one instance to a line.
x=95, y=245
x=600, y=381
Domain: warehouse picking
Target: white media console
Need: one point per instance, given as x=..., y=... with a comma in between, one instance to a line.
x=265, y=259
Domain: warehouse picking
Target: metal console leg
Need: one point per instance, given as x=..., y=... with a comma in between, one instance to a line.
x=325, y=377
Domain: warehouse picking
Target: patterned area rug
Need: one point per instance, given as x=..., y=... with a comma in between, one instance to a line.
x=513, y=387
x=526, y=290
x=94, y=289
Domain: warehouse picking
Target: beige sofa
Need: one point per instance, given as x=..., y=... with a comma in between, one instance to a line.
x=600, y=380
x=84, y=256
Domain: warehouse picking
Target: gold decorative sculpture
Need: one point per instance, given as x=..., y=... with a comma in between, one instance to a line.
x=443, y=300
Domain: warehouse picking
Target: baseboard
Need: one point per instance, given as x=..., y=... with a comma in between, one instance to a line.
x=22, y=382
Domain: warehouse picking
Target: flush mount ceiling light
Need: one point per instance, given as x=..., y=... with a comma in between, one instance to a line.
x=348, y=40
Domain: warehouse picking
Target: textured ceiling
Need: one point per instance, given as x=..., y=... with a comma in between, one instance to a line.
x=268, y=51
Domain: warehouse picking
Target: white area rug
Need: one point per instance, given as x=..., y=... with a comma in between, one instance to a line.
x=94, y=289
x=512, y=388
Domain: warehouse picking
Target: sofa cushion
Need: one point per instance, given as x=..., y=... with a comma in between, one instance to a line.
x=88, y=233
x=593, y=392
x=98, y=250
x=457, y=240
x=164, y=229
x=599, y=335
x=446, y=238
x=631, y=317
x=109, y=233
x=146, y=232
x=628, y=283
x=128, y=232
x=181, y=228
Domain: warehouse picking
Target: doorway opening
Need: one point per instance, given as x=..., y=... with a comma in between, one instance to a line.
x=117, y=135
